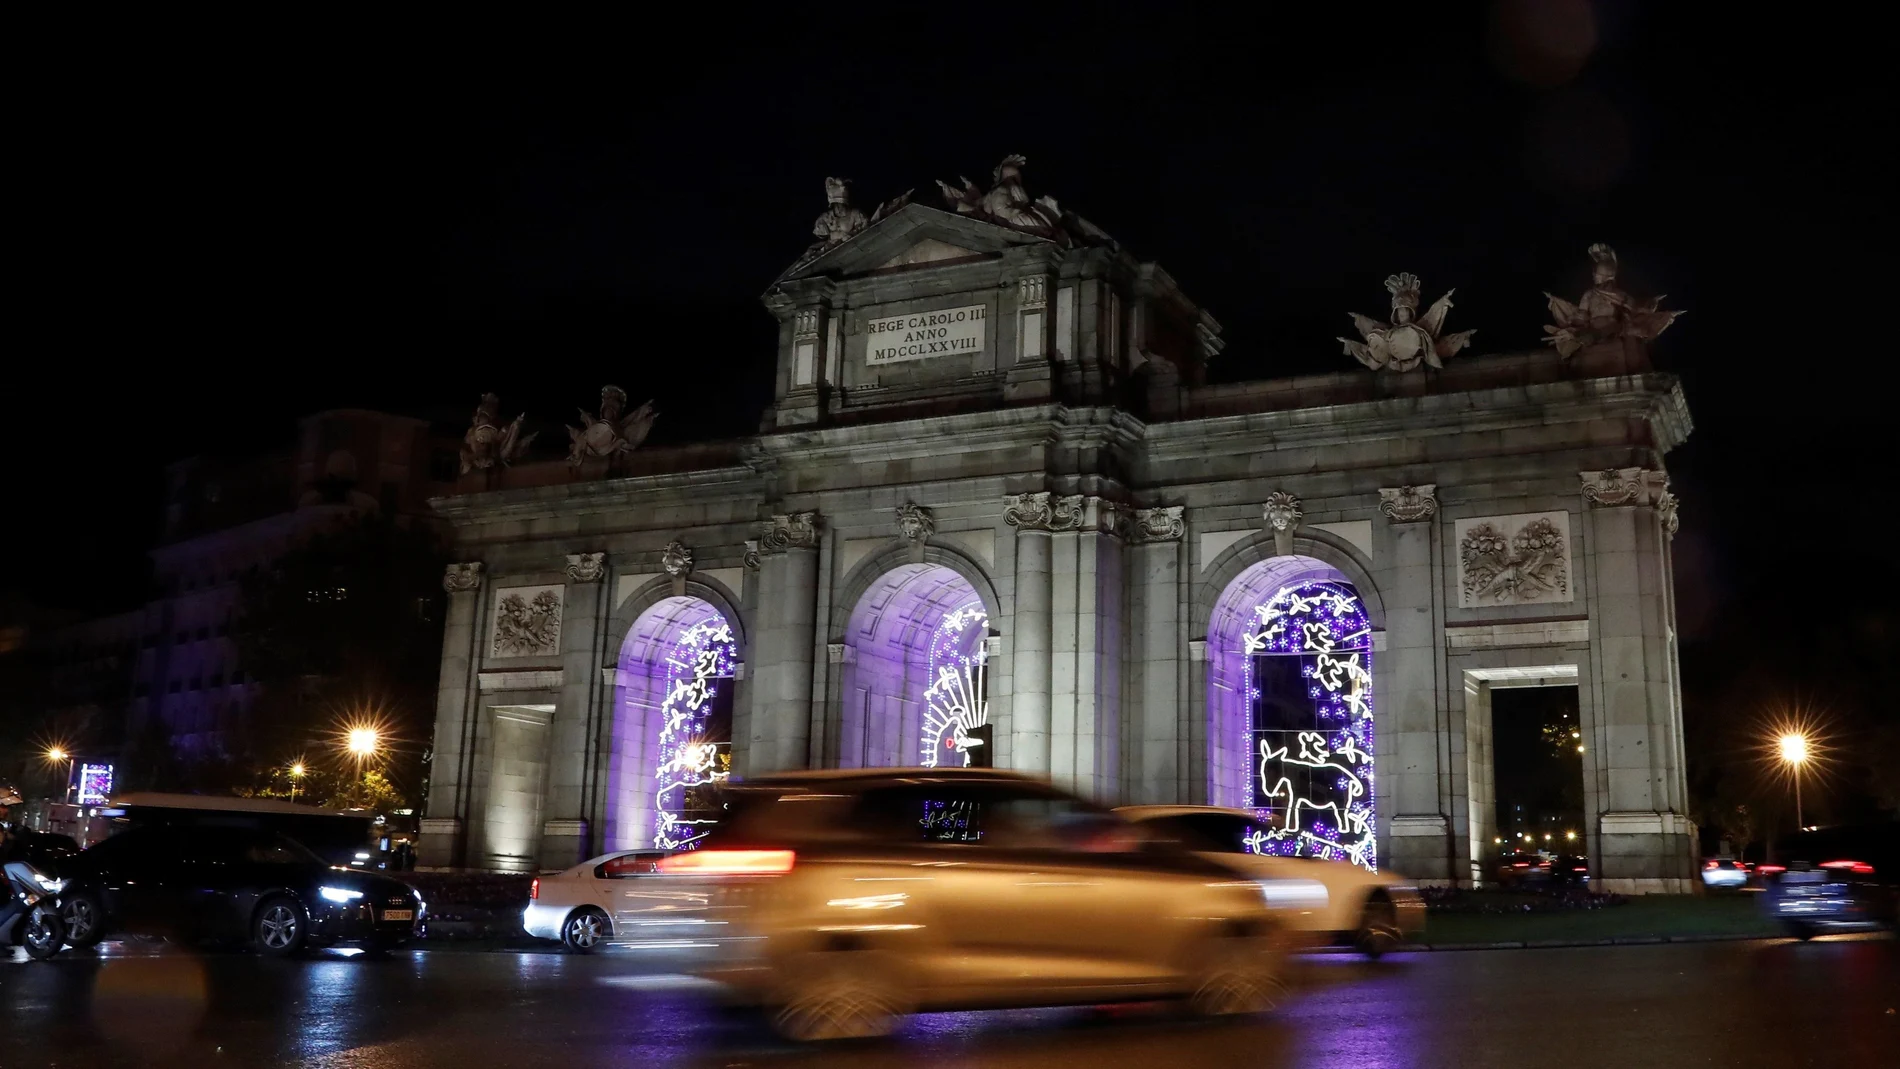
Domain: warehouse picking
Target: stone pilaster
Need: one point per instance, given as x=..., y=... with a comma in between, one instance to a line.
x=1646, y=841
x=1036, y=518
x=444, y=840
x=577, y=712
x=1031, y=375
x=1412, y=780
x=1156, y=677
x=781, y=666
x=1085, y=682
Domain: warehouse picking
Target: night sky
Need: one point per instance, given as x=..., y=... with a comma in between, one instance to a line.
x=253, y=223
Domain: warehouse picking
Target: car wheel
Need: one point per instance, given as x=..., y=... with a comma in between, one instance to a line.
x=85, y=922
x=1237, y=973
x=42, y=933
x=836, y=995
x=585, y=929
x=1378, y=932
x=280, y=928
x=1800, y=930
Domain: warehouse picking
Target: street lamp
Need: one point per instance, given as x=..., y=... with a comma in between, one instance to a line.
x=54, y=755
x=296, y=778
x=364, y=741
x=1794, y=753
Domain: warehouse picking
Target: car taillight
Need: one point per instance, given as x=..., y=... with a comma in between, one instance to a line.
x=728, y=863
x=1861, y=867
x=534, y=889
x=1709, y=865
x=1769, y=870
x=1520, y=864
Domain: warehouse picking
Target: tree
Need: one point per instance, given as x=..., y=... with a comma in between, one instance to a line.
x=345, y=632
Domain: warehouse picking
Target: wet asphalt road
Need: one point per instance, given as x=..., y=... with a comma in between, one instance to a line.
x=1834, y=1003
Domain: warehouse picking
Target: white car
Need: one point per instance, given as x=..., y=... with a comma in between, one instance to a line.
x=1724, y=872
x=618, y=898
x=1333, y=901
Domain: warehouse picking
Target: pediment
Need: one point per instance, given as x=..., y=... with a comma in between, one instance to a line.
x=915, y=237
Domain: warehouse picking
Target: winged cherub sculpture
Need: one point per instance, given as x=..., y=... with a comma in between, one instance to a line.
x=1605, y=312
x=1402, y=344
x=487, y=442
x=610, y=435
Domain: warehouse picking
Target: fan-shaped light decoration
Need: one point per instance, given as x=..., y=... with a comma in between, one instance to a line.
x=688, y=757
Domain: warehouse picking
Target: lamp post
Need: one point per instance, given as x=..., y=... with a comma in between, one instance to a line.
x=1794, y=754
x=296, y=779
x=364, y=742
x=56, y=754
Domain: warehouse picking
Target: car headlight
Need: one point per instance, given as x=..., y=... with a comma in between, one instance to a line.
x=339, y=895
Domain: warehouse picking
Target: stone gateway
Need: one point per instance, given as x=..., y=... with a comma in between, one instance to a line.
x=996, y=515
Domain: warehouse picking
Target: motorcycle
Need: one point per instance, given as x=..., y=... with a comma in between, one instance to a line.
x=30, y=917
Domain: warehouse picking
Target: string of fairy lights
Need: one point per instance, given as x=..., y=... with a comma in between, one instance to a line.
x=956, y=702
x=702, y=656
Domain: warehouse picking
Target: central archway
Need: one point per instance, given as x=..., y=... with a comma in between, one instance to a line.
x=914, y=686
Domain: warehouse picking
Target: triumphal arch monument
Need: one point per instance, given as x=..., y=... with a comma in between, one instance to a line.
x=996, y=515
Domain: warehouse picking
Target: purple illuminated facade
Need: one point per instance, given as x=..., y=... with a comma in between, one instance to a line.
x=915, y=672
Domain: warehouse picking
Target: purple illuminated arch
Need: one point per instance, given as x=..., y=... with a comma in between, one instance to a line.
x=674, y=674
x=910, y=623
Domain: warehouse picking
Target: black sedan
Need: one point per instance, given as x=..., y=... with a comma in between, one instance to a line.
x=204, y=884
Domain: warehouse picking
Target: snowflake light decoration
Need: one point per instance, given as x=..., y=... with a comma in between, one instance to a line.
x=956, y=703
x=1315, y=782
x=688, y=756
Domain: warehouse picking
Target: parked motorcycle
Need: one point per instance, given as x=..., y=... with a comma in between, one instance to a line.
x=30, y=917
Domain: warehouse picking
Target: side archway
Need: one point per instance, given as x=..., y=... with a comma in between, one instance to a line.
x=1289, y=704
x=672, y=723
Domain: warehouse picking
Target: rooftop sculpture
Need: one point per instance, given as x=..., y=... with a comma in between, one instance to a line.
x=1007, y=202
x=487, y=442
x=1605, y=312
x=610, y=435
x=1402, y=344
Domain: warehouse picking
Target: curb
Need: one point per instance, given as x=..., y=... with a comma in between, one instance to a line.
x=1553, y=944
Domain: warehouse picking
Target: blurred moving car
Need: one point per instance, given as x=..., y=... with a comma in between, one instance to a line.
x=854, y=897
x=232, y=885
x=1725, y=873
x=1374, y=911
x=1524, y=868
x=1834, y=879
x=619, y=897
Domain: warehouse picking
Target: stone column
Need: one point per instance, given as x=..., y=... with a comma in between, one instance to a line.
x=1036, y=517
x=445, y=823
x=565, y=833
x=1085, y=650
x=1647, y=841
x=1415, y=830
x=1156, y=673
x=779, y=729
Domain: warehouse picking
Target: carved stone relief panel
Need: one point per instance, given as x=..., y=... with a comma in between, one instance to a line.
x=1514, y=560
x=527, y=622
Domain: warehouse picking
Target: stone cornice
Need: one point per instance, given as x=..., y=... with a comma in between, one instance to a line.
x=643, y=492
x=970, y=431
x=1654, y=397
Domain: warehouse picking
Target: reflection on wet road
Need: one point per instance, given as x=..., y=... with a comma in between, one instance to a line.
x=1832, y=1002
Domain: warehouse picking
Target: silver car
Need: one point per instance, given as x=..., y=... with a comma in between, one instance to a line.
x=854, y=897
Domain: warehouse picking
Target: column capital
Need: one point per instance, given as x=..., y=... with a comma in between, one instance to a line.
x=797, y=530
x=462, y=578
x=1409, y=504
x=1043, y=511
x=1623, y=487
x=586, y=567
x=1164, y=524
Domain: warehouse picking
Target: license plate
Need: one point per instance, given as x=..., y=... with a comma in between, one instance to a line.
x=399, y=914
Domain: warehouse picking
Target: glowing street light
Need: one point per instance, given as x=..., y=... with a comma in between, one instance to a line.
x=364, y=741
x=1793, y=747
x=296, y=778
x=55, y=753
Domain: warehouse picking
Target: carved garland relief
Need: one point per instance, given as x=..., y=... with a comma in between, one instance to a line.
x=527, y=622
x=1514, y=560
